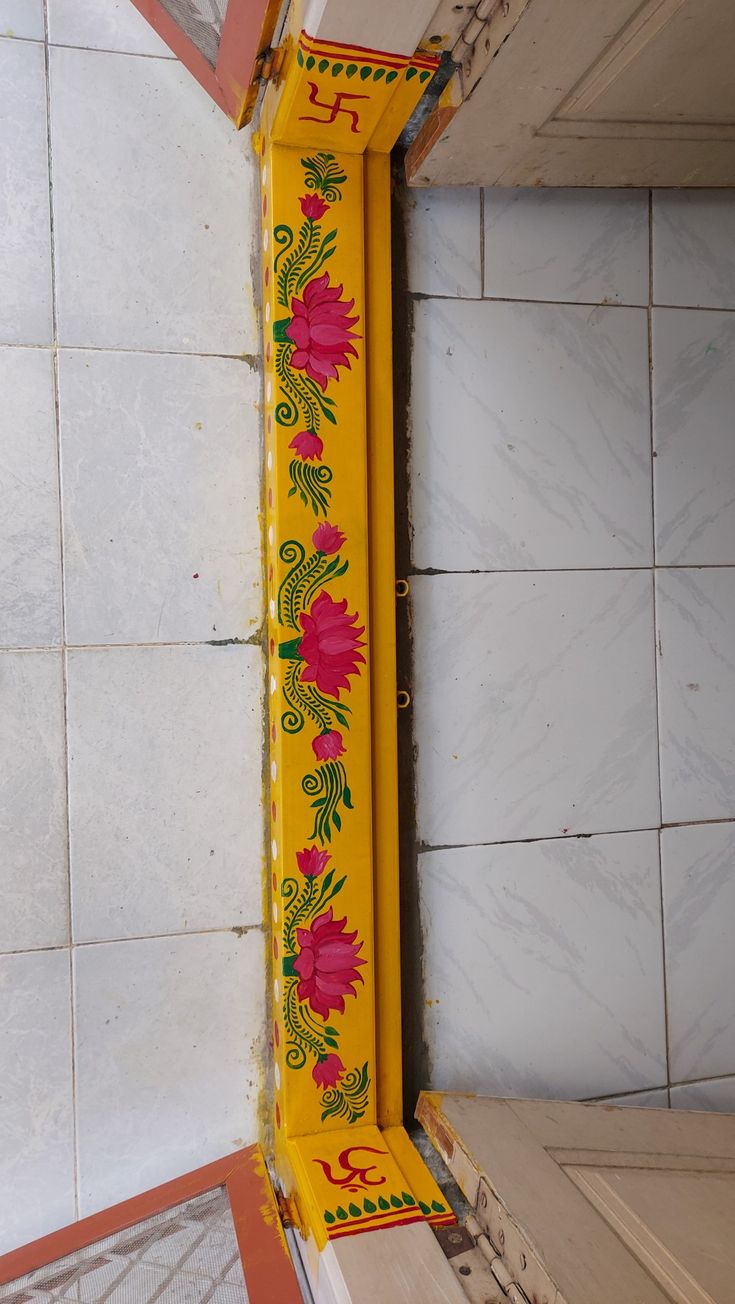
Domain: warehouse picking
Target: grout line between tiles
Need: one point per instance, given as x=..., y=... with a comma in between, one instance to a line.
x=251, y=359
x=430, y=571
x=240, y=930
x=88, y=49
x=67, y=833
x=482, y=242
x=423, y=847
x=420, y=296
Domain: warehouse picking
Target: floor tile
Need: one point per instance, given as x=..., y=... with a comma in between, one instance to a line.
x=698, y=864
x=157, y=157
x=164, y=790
x=36, y=1109
x=111, y=25
x=542, y=967
x=717, y=1095
x=161, y=472
x=530, y=437
x=34, y=874
x=694, y=468
x=696, y=683
x=534, y=705
x=25, y=232
x=22, y=18
x=30, y=567
x=443, y=242
x=656, y=1099
x=693, y=252
x=169, y=1032
x=578, y=246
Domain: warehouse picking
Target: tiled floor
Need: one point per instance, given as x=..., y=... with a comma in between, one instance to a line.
x=131, y=951
x=573, y=612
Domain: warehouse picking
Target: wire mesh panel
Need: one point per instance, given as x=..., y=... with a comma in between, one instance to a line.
x=187, y=1255
x=201, y=21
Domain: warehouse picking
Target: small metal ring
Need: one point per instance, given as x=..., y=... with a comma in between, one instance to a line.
x=403, y=588
x=403, y=699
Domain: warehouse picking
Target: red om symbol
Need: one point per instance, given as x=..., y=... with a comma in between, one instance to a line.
x=353, y=1177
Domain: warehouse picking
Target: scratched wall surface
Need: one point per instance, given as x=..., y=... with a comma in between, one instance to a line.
x=131, y=829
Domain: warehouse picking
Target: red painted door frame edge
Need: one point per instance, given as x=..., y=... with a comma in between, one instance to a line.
x=266, y=1261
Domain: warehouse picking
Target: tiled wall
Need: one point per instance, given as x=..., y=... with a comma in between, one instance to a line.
x=131, y=951
x=573, y=606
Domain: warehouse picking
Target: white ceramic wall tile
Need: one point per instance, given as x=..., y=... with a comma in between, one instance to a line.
x=161, y=472
x=543, y=972
x=22, y=18
x=693, y=249
x=534, y=704
x=696, y=683
x=530, y=437
x=169, y=1054
x=25, y=232
x=156, y=157
x=36, y=1106
x=694, y=468
x=103, y=25
x=30, y=569
x=165, y=789
x=443, y=242
x=579, y=246
x=34, y=877
x=698, y=864
x=717, y=1095
x=657, y=1099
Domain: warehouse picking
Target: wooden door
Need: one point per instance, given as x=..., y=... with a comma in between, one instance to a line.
x=591, y=1204
x=587, y=93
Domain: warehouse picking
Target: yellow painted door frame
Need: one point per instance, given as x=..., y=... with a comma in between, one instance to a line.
x=328, y=123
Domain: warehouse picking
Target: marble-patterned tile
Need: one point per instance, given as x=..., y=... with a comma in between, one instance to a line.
x=693, y=250
x=161, y=473
x=573, y=245
x=542, y=967
x=694, y=467
x=717, y=1095
x=656, y=1099
x=25, y=224
x=34, y=874
x=534, y=705
x=530, y=437
x=166, y=825
x=159, y=158
x=30, y=566
x=22, y=18
x=169, y=1049
x=698, y=869
x=36, y=1103
x=103, y=25
x=443, y=242
x=695, y=611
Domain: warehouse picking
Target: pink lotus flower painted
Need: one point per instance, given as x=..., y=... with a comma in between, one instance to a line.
x=312, y=862
x=313, y=207
x=327, y=964
x=328, y=538
x=330, y=645
x=321, y=329
x=328, y=746
x=307, y=446
x=328, y=1070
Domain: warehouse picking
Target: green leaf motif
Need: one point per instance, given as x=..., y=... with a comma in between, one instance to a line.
x=396, y=1201
x=351, y=69
x=355, y=1210
x=341, y=1213
x=424, y=1208
x=379, y=72
x=365, y=72
x=407, y=1199
x=383, y=1203
x=368, y=1206
x=391, y=76
x=328, y=1217
x=336, y=69
x=310, y=62
x=323, y=65
x=411, y=73
x=437, y=1207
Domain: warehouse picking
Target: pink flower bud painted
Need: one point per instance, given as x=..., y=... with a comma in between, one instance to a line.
x=313, y=207
x=312, y=862
x=328, y=538
x=328, y=1070
x=307, y=445
x=328, y=746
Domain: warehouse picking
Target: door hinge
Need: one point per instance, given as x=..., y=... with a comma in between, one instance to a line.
x=482, y=15
x=268, y=65
x=510, y=1288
